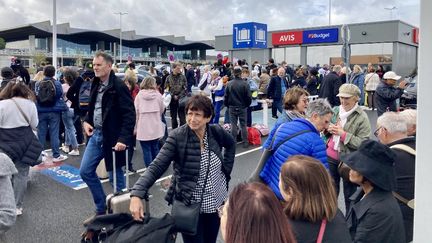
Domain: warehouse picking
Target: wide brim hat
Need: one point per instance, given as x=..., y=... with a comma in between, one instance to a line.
x=375, y=161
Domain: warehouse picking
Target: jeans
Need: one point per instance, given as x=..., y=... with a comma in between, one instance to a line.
x=150, y=149
x=70, y=137
x=218, y=107
x=238, y=114
x=226, y=116
x=19, y=182
x=249, y=116
x=50, y=121
x=91, y=158
x=208, y=229
x=276, y=106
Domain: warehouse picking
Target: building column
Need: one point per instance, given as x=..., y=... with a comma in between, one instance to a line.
x=423, y=179
x=93, y=46
x=164, y=52
x=32, y=47
x=194, y=54
x=303, y=55
x=153, y=50
x=203, y=54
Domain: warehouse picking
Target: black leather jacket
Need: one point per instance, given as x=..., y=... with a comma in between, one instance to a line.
x=183, y=147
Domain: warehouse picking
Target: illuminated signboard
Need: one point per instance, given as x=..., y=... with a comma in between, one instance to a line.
x=287, y=38
x=321, y=36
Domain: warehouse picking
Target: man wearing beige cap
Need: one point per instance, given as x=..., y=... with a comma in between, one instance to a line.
x=386, y=93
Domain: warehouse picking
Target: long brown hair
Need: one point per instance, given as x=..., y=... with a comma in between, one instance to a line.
x=254, y=216
x=310, y=190
x=16, y=88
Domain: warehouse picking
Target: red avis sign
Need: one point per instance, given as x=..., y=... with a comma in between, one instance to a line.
x=287, y=38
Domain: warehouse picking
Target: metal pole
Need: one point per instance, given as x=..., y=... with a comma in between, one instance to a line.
x=54, y=35
x=330, y=12
x=121, y=34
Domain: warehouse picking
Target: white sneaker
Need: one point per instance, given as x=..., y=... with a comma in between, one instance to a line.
x=59, y=159
x=19, y=211
x=74, y=152
x=65, y=148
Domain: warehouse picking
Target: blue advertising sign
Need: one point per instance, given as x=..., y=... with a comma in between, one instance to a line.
x=249, y=35
x=321, y=36
x=65, y=174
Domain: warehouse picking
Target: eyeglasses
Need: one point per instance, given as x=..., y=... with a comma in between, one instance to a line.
x=376, y=131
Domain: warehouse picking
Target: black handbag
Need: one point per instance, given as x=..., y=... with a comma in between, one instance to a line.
x=186, y=217
x=268, y=152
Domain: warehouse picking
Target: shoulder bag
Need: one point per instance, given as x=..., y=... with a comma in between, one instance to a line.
x=408, y=149
x=255, y=176
x=186, y=216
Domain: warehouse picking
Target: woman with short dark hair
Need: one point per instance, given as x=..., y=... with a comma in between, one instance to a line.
x=310, y=201
x=253, y=214
x=201, y=169
x=295, y=102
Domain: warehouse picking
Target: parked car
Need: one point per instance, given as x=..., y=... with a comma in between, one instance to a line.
x=140, y=76
x=121, y=67
x=409, y=98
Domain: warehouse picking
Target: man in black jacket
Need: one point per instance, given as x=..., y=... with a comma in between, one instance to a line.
x=386, y=94
x=392, y=131
x=237, y=99
x=110, y=123
x=276, y=90
x=330, y=86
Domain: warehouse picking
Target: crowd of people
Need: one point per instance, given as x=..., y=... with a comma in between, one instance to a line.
x=315, y=144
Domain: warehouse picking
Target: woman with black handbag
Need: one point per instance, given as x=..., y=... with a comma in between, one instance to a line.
x=18, y=120
x=201, y=173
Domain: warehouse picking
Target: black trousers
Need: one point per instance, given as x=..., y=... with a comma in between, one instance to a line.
x=208, y=229
x=175, y=111
x=348, y=187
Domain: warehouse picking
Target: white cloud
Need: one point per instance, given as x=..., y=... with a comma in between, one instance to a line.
x=200, y=20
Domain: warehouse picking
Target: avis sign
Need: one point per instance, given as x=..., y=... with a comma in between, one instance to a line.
x=249, y=35
x=287, y=38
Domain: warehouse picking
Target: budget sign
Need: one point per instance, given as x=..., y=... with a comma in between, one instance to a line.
x=321, y=36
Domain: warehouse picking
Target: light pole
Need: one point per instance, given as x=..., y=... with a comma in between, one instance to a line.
x=121, y=14
x=391, y=11
x=329, y=12
x=54, y=35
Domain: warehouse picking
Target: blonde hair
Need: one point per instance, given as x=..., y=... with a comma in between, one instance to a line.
x=357, y=69
x=39, y=76
x=148, y=83
x=131, y=76
x=312, y=196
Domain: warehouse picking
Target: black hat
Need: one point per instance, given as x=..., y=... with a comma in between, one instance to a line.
x=375, y=161
x=7, y=73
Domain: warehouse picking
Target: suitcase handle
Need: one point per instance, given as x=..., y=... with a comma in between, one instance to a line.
x=115, y=169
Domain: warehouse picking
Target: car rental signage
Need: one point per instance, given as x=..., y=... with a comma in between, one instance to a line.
x=249, y=35
x=287, y=38
x=321, y=36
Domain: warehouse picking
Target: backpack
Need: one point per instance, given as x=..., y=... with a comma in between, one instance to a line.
x=254, y=136
x=46, y=95
x=84, y=92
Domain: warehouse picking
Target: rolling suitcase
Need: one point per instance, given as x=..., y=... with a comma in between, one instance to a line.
x=118, y=202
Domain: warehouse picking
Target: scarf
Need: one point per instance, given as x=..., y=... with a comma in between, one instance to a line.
x=343, y=117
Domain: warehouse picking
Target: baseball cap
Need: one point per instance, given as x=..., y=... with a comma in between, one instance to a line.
x=348, y=90
x=391, y=75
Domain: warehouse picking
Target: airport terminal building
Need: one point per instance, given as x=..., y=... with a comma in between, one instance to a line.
x=74, y=43
x=393, y=44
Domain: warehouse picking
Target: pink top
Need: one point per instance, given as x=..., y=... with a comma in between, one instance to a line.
x=149, y=108
x=334, y=154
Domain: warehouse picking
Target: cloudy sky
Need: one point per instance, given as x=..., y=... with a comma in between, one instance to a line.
x=202, y=20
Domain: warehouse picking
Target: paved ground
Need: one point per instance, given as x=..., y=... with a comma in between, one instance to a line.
x=53, y=212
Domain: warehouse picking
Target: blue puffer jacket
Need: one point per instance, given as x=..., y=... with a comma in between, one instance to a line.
x=309, y=143
x=60, y=104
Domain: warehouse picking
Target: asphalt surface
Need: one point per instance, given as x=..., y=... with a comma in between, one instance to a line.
x=54, y=212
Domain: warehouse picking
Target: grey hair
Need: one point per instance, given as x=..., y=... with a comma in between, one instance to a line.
x=319, y=106
x=393, y=122
x=215, y=72
x=337, y=68
x=410, y=117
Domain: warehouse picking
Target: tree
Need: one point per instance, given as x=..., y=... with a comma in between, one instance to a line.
x=39, y=58
x=2, y=43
